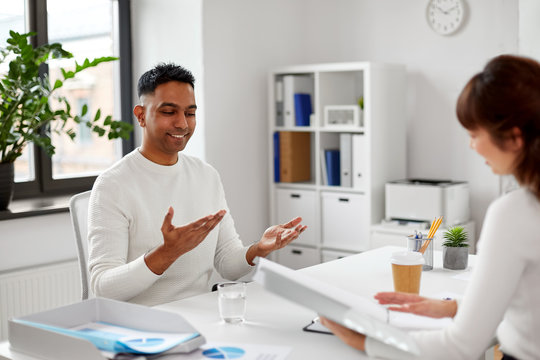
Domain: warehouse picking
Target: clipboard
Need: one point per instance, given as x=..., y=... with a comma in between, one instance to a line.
x=316, y=327
x=354, y=312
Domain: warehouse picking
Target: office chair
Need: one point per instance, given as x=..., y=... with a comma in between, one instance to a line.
x=78, y=208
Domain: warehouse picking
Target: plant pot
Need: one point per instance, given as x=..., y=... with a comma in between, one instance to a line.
x=6, y=184
x=455, y=258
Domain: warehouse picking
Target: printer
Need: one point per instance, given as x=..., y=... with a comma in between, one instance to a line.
x=426, y=199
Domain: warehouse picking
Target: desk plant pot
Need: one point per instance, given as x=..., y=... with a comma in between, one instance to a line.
x=6, y=184
x=455, y=248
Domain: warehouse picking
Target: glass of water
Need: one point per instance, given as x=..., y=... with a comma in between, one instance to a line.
x=232, y=301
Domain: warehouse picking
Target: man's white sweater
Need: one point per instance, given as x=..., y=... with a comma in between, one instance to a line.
x=128, y=204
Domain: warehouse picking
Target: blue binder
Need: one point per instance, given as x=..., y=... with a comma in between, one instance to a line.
x=333, y=167
x=302, y=109
x=276, y=157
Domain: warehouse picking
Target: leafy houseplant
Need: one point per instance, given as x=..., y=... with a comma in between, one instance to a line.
x=26, y=115
x=455, y=248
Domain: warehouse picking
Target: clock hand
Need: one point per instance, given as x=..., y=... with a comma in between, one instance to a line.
x=448, y=10
x=441, y=10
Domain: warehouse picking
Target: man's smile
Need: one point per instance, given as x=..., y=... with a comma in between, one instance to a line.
x=178, y=136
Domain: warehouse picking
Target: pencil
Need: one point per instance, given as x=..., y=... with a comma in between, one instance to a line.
x=432, y=230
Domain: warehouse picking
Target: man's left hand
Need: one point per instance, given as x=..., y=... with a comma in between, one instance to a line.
x=274, y=238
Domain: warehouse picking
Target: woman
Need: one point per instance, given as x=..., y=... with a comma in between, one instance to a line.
x=500, y=108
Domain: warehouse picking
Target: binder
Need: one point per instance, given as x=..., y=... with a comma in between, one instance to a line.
x=294, y=156
x=359, y=161
x=276, y=157
x=345, y=149
x=323, y=168
x=332, y=166
x=293, y=84
x=279, y=103
x=302, y=109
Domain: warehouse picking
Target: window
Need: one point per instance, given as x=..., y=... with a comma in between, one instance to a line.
x=88, y=29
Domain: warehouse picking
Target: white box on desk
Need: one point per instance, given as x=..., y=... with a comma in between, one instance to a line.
x=45, y=344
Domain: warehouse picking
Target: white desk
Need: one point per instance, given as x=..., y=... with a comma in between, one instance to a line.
x=272, y=320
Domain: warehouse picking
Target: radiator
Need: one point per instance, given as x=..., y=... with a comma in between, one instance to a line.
x=37, y=289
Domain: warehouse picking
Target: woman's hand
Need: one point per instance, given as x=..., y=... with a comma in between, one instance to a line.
x=418, y=305
x=348, y=336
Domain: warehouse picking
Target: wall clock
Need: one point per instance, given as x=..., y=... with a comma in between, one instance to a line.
x=445, y=16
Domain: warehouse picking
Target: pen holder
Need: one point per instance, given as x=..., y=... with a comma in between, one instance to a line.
x=416, y=244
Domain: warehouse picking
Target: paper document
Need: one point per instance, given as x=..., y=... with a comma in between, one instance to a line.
x=113, y=339
x=236, y=351
x=356, y=312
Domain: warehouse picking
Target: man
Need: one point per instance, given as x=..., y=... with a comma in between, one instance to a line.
x=137, y=255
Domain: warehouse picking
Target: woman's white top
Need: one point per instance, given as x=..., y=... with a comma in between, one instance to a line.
x=503, y=295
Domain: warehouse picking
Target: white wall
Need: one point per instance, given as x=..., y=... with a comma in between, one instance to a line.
x=170, y=31
x=31, y=241
x=243, y=39
x=529, y=28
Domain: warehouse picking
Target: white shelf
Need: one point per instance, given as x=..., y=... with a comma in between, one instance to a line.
x=382, y=155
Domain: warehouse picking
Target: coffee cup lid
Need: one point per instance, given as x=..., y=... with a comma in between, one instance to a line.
x=407, y=258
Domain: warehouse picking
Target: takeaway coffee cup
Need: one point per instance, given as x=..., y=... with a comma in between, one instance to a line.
x=407, y=271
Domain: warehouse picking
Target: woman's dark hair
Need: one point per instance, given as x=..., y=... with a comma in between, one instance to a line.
x=161, y=74
x=505, y=95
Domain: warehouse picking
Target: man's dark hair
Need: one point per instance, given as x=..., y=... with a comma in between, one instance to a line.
x=163, y=73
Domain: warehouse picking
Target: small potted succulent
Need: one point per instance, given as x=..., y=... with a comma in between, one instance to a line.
x=455, y=248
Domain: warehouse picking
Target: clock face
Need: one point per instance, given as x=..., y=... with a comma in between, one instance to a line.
x=445, y=16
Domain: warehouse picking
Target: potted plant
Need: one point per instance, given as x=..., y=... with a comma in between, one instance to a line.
x=26, y=113
x=455, y=248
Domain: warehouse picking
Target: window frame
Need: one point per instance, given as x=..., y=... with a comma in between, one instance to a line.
x=44, y=184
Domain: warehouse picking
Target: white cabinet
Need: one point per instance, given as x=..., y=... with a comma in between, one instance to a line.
x=330, y=255
x=343, y=137
x=291, y=203
x=345, y=221
x=298, y=257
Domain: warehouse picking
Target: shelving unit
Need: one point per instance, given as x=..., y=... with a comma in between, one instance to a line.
x=339, y=217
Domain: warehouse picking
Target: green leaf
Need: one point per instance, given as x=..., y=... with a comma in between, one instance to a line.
x=84, y=110
x=71, y=133
x=98, y=115
x=57, y=84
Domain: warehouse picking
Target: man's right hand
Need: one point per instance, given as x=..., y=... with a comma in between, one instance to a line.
x=179, y=240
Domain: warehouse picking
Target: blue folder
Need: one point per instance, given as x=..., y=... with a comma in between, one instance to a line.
x=302, y=109
x=333, y=167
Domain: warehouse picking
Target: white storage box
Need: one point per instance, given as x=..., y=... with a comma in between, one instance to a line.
x=45, y=344
x=292, y=203
x=298, y=257
x=345, y=221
